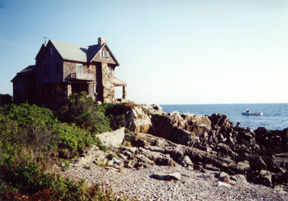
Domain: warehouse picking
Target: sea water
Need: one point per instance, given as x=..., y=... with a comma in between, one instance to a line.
x=275, y=116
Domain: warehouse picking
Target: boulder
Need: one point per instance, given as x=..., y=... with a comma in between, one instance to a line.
x=263, y=177
x=138, y=161
x=138, y=121
x=257, y=163
x=185, y=161
x=166, y=176
x=224, y=177
x=166, y=127
x=114, y=138
x=91, y=154
x=199, y=124
x=211, y=167
x=223, y=184
x=220, y=120
x=156, y=157
x=243, y=166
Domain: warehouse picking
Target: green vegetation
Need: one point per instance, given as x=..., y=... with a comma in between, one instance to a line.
x=5, y=99
x=28, y=182
x=81, y=110
x=31, y=137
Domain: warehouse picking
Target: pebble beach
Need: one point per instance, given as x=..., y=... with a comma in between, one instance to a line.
x=135, y=184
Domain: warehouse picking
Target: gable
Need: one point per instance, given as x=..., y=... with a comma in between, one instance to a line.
x=105, y=55
x=83, y=54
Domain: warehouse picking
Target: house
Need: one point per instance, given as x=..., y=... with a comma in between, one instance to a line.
x=62, y=69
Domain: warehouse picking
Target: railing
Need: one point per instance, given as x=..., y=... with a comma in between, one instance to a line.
x=82, y=76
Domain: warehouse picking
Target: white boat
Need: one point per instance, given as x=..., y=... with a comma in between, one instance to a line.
x=250, y=113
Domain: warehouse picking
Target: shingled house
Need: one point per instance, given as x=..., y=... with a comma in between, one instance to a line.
x=62, y=69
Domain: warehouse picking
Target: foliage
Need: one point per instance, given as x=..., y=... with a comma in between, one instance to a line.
x=81, y=110
x=29, y=126
x=36, y=129
x=27, y=180
x=116, y=113
x=28, y=134
x=5, y=99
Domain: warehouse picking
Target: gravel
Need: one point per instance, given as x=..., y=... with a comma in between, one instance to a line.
x=138, y=185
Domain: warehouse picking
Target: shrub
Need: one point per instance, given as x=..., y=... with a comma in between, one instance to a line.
x=27, y=180
x=116, y=113
x=37, y=130
x=81, y=110
x=5, y=99
x=27, y=134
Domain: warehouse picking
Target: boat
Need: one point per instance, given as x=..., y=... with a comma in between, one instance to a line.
x=250, y=113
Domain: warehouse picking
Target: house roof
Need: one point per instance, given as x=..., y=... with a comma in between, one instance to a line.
x=26, y=70
x=79, y=53
x=70, y=51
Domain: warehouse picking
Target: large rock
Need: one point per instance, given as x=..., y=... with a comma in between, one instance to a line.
x=138, y=121
x=114, y=138
x=263, y=177
x=91, y=154
x=166, y=176
x=257, y=163
x=243, y=166
x=166, y=127
x=185, y=161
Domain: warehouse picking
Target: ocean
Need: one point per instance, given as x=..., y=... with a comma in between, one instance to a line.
x=275, y=116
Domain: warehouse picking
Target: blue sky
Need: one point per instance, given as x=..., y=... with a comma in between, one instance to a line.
x=170, y=52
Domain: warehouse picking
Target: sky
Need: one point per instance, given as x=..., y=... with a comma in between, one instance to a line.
x=170, y=51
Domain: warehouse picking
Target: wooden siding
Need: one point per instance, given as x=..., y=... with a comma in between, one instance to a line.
x=50, y=69
x=100, y=57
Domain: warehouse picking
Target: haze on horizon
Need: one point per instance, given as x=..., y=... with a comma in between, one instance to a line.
x=170, y=52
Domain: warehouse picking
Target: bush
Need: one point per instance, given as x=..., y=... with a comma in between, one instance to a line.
x=27, y=134
x=29, y=126
x=27, y=180
x=38, y=131
x=116, y=113
x=81, y=110
x=5, y=99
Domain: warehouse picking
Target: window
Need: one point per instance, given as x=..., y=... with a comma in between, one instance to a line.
x=106, y=54
x=110, y=71
x=79, y=68
x=51, y=50
x=95, y=87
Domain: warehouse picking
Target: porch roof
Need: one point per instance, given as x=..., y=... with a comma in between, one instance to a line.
x=118, y=82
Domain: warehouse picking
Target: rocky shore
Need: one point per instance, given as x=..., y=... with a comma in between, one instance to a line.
x=187, y=157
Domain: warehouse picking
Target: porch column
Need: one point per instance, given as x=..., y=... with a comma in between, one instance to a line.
x=69, y=90
x=124, y=93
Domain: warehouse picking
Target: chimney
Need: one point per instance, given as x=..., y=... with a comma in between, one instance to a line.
x=101, y=40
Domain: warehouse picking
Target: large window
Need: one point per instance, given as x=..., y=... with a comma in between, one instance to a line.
x=79, y=68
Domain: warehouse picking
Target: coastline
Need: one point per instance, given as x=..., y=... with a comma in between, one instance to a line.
x=215, y=160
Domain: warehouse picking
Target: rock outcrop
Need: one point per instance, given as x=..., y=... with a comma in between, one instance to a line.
x=235, y=150
x=114, y=138
x=204, y=143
